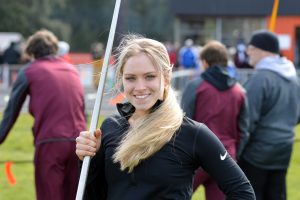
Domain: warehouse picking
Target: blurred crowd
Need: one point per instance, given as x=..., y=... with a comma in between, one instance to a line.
x=183, y=56
x=179, y=55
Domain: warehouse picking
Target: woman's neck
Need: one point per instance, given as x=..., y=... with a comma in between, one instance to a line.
x=135, y=116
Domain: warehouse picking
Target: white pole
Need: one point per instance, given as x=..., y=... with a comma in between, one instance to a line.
x=97, y=106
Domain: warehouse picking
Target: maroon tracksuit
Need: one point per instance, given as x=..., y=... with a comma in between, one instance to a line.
x=57, y=105
x=216, y=100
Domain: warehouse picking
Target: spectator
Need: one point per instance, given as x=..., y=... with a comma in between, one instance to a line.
x=218, y=101
x=241, y=57
x=97, y=52
x=150, y=150
x=64, y=50
x=1, y=57
x=57, y=105
x=188, y=56
x=12, y=55
x=273, y=94
x=172, y=53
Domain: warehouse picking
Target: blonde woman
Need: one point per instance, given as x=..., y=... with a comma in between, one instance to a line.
x=151, y=150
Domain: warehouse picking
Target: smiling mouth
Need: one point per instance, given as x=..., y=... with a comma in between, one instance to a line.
x=141, y=96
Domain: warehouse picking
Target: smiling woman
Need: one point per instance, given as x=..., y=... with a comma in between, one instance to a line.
x=151, y=150
x=147, y=63
x=141, y=82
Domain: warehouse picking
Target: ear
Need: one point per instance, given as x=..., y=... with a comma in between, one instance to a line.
x=204, y=64
x=166, y=83
x=165, y=88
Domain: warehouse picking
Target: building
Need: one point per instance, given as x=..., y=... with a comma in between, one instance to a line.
x=232, y=21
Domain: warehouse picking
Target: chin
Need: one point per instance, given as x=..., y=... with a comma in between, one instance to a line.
x=143, y=107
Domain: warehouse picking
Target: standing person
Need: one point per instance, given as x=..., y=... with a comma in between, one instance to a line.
x=57, y=105
x=273, y=94
x=97, y=52
x=188, y=56
x=64, y=50
x=172, y=51
x=241, y=57
x=150, y=150
x=217, y=100
x=11, y=55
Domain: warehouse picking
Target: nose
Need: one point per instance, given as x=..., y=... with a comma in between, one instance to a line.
x=140, y=84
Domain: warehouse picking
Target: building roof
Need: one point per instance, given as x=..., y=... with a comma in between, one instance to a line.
x=234, y=7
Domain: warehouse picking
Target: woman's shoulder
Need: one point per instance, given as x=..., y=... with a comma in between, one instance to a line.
x=113, y=123
x=200, y=130
x=193, y=127
x=196, y=136
x=111, y=119
x=191, y=124
x=199, y=133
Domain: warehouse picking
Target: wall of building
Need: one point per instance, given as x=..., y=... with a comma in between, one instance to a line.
x=285, y=27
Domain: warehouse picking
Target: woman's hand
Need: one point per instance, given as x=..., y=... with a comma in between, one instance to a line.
x=87, y=144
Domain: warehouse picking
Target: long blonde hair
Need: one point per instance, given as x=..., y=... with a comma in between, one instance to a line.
x=151, y=132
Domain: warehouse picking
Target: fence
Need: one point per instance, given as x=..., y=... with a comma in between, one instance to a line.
x=8, y=74
x=180, y=78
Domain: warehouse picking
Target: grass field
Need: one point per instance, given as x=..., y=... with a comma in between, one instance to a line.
x=18, y=147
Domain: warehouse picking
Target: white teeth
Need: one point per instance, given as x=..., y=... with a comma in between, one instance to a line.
x=141, y=96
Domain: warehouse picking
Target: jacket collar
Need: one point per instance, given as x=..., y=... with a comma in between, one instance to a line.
x=127, y=109
x=218, y=77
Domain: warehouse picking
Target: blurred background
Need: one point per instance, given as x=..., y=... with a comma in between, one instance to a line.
x=84, y=26
x=84, y=23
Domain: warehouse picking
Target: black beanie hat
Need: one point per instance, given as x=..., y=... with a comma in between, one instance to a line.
x=265, y=40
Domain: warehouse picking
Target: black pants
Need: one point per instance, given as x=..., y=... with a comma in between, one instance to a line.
x=267, y=184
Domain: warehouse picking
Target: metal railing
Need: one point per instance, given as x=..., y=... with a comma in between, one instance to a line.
x=8, y=74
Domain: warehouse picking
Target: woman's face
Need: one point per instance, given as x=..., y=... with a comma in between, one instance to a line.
x=142, y=83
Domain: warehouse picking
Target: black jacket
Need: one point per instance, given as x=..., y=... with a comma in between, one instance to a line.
x=169, y=172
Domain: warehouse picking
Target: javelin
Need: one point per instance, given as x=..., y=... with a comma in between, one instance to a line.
x=97, y=106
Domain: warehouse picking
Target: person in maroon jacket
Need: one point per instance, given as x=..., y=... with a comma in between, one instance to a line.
x=218, y=101
x=57, y=105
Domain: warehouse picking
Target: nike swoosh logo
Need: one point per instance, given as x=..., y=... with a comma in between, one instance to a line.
x=224, y=156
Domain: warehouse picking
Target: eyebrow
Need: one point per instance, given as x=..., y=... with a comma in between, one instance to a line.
x=154, y=72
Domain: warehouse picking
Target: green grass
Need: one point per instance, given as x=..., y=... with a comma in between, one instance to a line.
x=19, y=147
